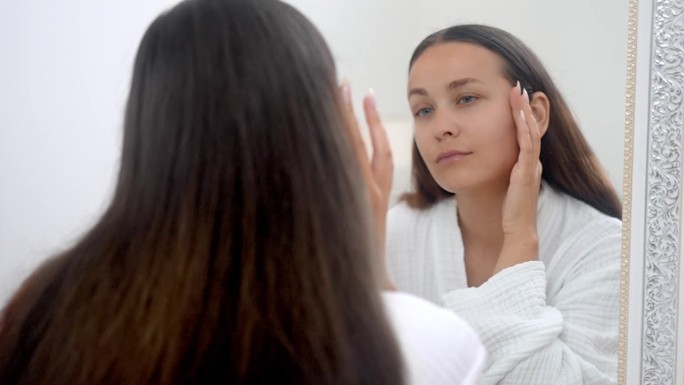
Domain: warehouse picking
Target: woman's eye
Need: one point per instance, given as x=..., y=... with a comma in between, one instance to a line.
x=423, y=111
x=467, y=99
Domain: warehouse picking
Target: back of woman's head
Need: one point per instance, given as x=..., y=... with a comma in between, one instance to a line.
x=568, y=162
x=237, y=246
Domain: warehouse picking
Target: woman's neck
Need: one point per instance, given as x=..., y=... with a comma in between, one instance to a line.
x=480, y=216
x=480, y=220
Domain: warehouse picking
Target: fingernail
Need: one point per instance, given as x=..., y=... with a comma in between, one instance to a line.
x=522, y=117
x=527, y=97
x=517, y=84
x=371, y=98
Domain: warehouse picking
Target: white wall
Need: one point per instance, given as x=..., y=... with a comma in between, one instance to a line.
x=66, y=65
x=64, y=76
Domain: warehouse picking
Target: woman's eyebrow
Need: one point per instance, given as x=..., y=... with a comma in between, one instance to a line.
x=462, y=82
x=417, y=91
x=451, y=86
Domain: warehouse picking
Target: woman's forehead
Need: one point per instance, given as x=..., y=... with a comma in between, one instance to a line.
x=453, y=61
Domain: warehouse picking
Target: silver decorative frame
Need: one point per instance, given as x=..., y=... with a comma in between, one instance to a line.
x=661, y=270
x=654, y=260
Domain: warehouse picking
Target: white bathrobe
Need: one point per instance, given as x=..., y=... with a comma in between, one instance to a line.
x=552, y=321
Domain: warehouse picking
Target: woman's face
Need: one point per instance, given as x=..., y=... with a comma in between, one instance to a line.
x=463, y=121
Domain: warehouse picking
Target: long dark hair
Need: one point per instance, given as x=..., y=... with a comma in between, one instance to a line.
x=568, y=162
x=237, y=247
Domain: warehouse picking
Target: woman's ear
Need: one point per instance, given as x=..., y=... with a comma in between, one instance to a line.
x=541, y=109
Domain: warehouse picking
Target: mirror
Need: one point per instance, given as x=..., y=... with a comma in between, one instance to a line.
x=623, y=81
x=583, y=44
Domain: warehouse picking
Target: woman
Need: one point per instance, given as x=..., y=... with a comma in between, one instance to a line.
x=237, y=248
x=511, y=223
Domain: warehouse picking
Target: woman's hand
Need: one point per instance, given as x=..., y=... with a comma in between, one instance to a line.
x=377, y=173
x=521, y=243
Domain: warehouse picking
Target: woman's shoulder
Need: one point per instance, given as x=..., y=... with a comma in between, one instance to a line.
x=411, y=230
x=402, y=213
x=575, y=214
x=575, y=237
x=401, y=209
x=439, y=347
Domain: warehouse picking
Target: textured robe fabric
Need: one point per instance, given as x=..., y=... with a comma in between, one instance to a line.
x=552, y=321
x=438, y=347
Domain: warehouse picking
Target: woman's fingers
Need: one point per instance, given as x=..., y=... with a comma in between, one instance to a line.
x=353, y=128
x=520, y=204
x=532, y=125
x=528, y=134
x=382, y=164
x=522, y=130
x=377, y=173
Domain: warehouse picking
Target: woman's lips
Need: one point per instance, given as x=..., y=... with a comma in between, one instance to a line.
x=451, y=156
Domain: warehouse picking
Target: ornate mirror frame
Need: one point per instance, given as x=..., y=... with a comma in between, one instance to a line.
x=651, y=329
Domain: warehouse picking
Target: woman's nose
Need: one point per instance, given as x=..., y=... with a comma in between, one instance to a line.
x=445, y=126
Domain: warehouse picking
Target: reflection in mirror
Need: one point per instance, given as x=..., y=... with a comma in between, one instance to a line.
x=464, y=258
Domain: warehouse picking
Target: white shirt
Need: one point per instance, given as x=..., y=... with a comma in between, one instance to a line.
x=553, y=321
x=438, y=347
